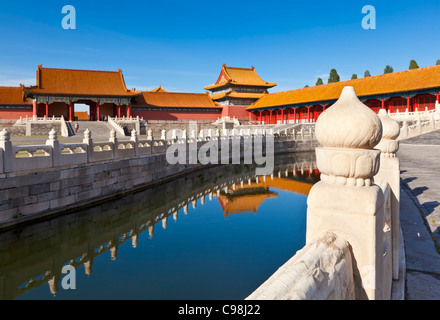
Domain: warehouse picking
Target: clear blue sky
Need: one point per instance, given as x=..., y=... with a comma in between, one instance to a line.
x=182, y=44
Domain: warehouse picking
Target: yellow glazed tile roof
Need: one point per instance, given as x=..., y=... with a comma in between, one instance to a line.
x=80, y=82
x=404, y=81
x=240, y=76
x=235, y=94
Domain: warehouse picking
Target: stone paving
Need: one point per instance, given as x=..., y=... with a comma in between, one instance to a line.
x=420, y=215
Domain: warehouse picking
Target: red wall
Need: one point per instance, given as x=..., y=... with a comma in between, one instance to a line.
x=238, y=112
x=15, y=113
x=176, y=115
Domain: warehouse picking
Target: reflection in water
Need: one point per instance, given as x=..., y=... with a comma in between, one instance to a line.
x=206, y=255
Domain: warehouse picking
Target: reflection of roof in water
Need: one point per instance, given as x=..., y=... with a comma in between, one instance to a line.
x=249, y=197
x=246, y=199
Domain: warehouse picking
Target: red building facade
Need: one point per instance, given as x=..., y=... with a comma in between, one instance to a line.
x=411, y=90
x=58, y=90
x=163, y=105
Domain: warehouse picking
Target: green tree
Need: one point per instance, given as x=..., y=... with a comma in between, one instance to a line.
x=438, y=62
x=354, y=76
x=413, y=65
x=388, y=69
x=319, y=82
x=367, y=74
x=334, y=76
x=306, y=86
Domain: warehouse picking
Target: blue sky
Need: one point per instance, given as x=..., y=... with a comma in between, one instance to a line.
x=182, y=44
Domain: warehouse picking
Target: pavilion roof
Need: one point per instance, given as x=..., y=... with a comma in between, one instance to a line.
x=175, y=100
x=80, y=82
x=239, y=76
x=13, y=96
x=158, y=89
x=404, y=81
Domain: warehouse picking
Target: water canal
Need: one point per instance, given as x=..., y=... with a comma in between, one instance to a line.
x=216, y=234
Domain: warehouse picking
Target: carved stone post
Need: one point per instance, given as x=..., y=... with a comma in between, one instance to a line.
x=346, y=201
x=55, y=144
x=135, y=140
x=114, y=140
x=6, y=155
x=89, y=142
x=390, y=171
x=404, y=130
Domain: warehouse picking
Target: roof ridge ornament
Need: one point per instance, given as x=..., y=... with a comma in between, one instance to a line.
x=349, y=124
x=347, y=132
x=391, y=131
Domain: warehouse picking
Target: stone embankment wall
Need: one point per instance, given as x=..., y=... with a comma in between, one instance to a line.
x=37, y=194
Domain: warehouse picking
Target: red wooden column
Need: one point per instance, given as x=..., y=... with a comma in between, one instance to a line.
x=129, y=111
x=97, y=111
x=323, y=107
x=119, y=110
x=47, y=109
x=438, y=97
x=34, y=108
x=383, y=103
x=294, y=115
x=261, y=116
x=270, y=117
x=308, y=114
x=408, y=103
x=70, y=110
x=282, y=115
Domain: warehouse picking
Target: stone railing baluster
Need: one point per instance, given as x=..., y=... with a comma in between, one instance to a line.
x=346, y=201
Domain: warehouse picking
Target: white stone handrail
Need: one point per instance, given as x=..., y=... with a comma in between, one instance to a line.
x=116, y=126
x=322, y=270
x=54, y=154
x=64, y=129
x=353, y=213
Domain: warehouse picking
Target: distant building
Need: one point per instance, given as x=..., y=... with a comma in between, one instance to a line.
x=237, y=88
x=416, y=89
x=14, y=103
x=58, y=90
x=160, y=104
x=238, y=92
x=82, y=115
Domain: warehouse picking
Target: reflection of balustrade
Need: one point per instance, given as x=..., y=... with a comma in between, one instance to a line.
x=135, y=227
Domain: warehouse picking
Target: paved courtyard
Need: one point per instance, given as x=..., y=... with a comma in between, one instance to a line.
x=420, y=214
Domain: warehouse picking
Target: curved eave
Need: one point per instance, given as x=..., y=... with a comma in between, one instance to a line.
x=379, y=95
x=124, y=95
x=217, y=85
x=267, y=85
x=187, y=108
